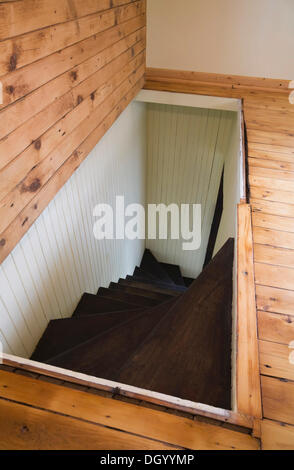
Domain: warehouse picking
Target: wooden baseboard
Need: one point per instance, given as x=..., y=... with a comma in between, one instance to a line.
x=223, y=80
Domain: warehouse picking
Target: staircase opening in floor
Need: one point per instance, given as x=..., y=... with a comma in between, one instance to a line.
x=142, y=313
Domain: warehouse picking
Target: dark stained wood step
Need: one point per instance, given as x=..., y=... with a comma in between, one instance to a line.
x=132, y=299
x=105, y=354
x=91, y=304
x=142, y=292
x=143, y=275
x=150, y=264
x=129, y=281
x=188, y=354
x=188, y=281
x=174, y=273
x=160, y=284
x=62, y=335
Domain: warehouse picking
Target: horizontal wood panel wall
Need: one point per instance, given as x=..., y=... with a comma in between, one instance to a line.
x=67, y=71
x=58, y=259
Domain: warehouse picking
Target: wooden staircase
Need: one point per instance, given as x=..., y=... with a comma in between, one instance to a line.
x=152, y=331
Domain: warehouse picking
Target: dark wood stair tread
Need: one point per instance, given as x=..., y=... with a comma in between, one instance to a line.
x=104, y=355
x=64, y=334
x=188, y=281
x=92, y=304
x=143, y=292
x=174, y=273
x=160, y=284
x=143, y=275
x=147, y=286
x=150, y=264
x=132, y=299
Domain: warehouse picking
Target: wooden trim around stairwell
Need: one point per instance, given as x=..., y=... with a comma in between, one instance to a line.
x=80, y=418
x=243, y=164
x=248, y=378
x=197, y=409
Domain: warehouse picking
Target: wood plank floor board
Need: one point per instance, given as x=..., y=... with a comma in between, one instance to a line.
x=270, y=299
x=268, y=194
x=273, y=119
x=270, y=164
x=277, y=238
x=28, y=428
x=271, y=221
x=275, y=360
x=274, y=276
x=273, y=255
x=131, y=418
x=271, y=173
x=284, y=139
x=278, y=399
x=271, y=152
x=272, y=183
x=275, y=327
x=276, y=436
x=272, y=207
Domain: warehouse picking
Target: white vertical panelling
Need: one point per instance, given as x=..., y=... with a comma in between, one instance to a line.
x=59, y=259
x=232, y=188
x=228, y=225
x=187, y=148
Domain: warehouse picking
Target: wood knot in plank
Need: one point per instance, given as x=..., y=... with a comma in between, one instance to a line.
x=33, y=187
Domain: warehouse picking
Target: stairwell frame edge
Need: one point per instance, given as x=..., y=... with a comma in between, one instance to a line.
x=228, y=416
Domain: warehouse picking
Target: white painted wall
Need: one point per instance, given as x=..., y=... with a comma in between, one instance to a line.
x=59, y=259
x=241, y=37
x=186, y=152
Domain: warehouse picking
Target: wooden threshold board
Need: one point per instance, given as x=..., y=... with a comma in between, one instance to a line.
x=197, y=409
x=93, y=421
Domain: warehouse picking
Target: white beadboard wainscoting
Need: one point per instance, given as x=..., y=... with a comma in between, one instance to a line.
x=187, y=149
x=59, y=259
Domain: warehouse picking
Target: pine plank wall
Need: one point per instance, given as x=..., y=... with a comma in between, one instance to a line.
x=68, y=68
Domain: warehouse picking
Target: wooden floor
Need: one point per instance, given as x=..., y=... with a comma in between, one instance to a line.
x=270, y=128
x=269, y=118
x=37, y=412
